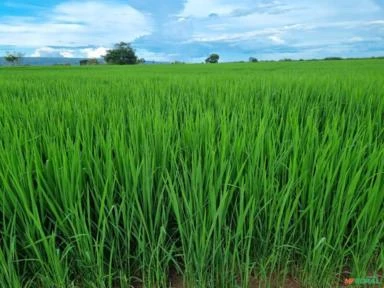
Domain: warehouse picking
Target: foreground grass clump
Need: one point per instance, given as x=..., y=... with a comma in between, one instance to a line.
x=217, y=175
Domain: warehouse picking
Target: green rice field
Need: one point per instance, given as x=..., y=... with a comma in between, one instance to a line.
x=231, y=175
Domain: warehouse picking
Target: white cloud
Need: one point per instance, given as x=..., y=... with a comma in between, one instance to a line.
x=77, y=24
x=99, y=52
x=228, y=8
x=52, y=52
x=85, y=28
x=283, y=26
x=355, y=39
x=67, y=54
x=276, y=39
x=376, y=22
x=230, y=37
x=93, y=52
x=204, y=8
x=46, y=52
x=156, y=56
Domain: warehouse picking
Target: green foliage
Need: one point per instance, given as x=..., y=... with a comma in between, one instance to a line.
x=13, y=58
x=252, y=60
x=141, y=61
x=92, y=61
x=108, y=179
x=213, y=58
x=333, y=58
x=178, y=62
x=122, y=54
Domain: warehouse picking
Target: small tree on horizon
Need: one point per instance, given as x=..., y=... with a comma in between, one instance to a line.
x=13, y=58
x=213, y=58
x=122, y=54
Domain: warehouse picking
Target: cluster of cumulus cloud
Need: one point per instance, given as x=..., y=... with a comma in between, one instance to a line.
x=270, y=28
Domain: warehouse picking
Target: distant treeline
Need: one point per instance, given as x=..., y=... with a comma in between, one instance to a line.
x=332, y=58
x=59, y=61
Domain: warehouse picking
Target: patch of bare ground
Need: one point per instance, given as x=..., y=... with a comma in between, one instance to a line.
x=177, y=281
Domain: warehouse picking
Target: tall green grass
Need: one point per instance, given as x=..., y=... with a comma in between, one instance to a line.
x=216, y=174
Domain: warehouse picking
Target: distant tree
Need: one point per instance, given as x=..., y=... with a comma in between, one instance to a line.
x=13, y=58
x=141, y=61
x=122, y=54
x=333, y=58
x=92, y=61
x=213, y=58
x=253, y=59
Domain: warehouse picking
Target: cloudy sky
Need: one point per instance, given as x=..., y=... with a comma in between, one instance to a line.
x=188, y=30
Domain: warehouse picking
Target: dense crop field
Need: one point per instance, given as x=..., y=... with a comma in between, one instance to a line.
x=224, y=175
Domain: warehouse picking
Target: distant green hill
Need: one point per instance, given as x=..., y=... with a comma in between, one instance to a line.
x=46, y=61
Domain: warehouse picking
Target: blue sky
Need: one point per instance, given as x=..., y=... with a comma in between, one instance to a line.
x=189, y=30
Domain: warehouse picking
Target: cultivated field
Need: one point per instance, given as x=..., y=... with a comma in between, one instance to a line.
x=229, y=175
